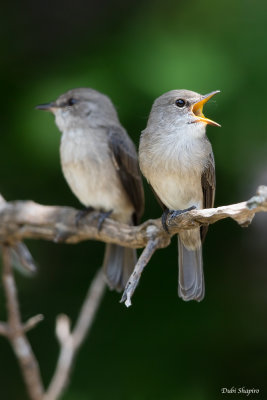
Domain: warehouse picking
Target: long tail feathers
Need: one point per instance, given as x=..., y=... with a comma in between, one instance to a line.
x=191, y=278
x=118, y=265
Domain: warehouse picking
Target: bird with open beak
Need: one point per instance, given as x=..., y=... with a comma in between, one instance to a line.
x=176, y=158
x=100, y=164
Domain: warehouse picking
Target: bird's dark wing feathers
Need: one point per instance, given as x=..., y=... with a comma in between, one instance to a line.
x=125, y=160
x=208, y=182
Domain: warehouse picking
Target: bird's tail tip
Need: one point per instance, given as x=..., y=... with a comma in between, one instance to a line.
x=118, y=265
x=191, y=284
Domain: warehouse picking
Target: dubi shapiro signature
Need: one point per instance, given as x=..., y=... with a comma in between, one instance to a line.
x=240, y=390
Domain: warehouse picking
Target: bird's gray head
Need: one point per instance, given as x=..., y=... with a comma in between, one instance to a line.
x=82, y=107
x=178, y=109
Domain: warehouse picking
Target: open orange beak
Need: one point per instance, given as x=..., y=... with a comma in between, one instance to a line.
x=198, y=107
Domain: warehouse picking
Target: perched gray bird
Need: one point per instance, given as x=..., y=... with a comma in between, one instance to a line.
x=176, y=158
x=100, y=164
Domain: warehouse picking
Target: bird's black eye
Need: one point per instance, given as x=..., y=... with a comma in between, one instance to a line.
x=72, y=101
x=180, y=103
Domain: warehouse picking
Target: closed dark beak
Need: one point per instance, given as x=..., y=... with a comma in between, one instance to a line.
x=46, y=106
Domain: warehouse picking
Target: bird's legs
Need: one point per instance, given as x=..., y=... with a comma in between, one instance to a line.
x=164, y=219
x=82, y=213
x=103, y=216
x=170, y=214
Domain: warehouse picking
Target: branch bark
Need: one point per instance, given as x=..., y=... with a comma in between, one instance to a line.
x=133, y=281
x=28, y=220
x=14, y=330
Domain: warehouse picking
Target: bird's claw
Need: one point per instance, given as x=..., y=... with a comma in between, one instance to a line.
x=174, y=213
x=170, y=214
x=164, y=219
x=102, y=218
x=82, y=213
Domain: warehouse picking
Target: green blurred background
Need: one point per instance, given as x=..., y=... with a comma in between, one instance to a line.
x=161, y=348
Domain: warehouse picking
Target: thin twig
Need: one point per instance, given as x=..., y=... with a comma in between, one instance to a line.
x=70, y=342
x=133, y=281
x=20, y=255
x=15, y=334
x=22, y=258
x=32, y=322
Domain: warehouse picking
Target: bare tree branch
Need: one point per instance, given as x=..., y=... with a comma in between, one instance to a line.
x=243, y=213
x=70, y=342
x=19, y=220
x=14, y=330
x=26, y=219
x=133, y=281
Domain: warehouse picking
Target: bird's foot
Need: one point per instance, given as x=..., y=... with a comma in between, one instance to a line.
x=174, y=213
x=82, y=213
x=164, y=219
x=102, y=218
x=170, y=214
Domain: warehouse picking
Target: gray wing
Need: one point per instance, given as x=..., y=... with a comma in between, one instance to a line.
x=125, y=159
x=208, y=182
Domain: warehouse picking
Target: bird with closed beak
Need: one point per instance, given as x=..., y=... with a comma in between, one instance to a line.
x=176, y=158
x=100, y=164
